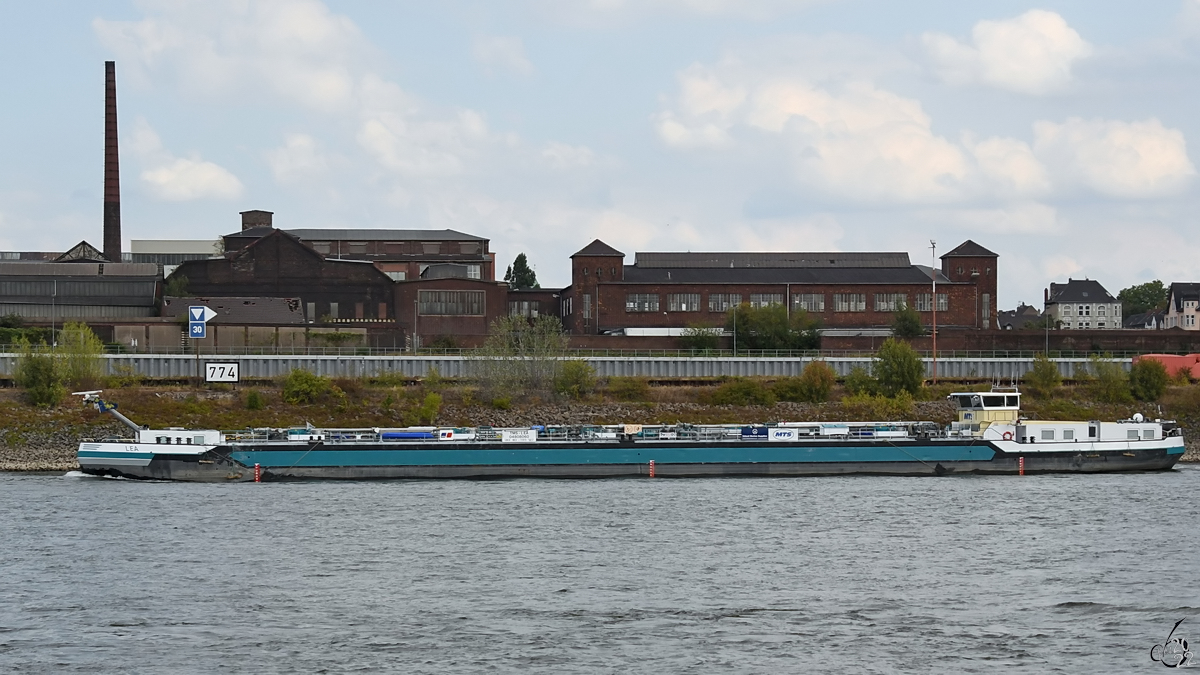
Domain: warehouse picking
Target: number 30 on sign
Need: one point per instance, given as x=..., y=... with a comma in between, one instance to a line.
x=221, y=372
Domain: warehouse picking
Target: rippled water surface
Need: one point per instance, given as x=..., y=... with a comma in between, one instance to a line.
x=965, y=574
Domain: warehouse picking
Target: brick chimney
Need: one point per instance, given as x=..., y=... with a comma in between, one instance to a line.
x=256, y=218
x=112, y=169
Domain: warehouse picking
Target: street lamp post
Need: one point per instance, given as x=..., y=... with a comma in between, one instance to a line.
x=933, y=276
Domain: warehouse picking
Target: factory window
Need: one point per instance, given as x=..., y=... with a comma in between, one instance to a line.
x=1101, y=310
x=683, y=302
x=809, y=302
x=383, y=310
x=451, y=303
x=923, y=302
x=397, y=276
x=723, y=302
x=987, y=310
x=473, y=271
x=585, y=271
x=765, y=299
x=312, y=311
x=1084, y=325
x=526, y=308
x=641, y=302
x=599, y=272
x=1085, y=310
x=1101, y=324
x=1066, y=310
x=1189, y=320
x=359, y=247
x=359, y=310
x=333, y=310
x=612, y=272
x=890, y=302
x=587, y=305
x=431, y=247
x=468, y=247
x=849, y=302
x=394, y=248
x=320, y=246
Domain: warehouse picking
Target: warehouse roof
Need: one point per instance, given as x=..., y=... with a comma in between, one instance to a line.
x=771, y=260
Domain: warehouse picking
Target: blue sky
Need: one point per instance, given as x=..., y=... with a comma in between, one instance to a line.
x=1058, y=134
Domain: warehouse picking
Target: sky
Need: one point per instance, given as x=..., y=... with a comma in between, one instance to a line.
x=1060, y=135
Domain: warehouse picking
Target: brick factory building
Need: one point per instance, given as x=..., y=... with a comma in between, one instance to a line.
x=403, y=255
x=662, y=293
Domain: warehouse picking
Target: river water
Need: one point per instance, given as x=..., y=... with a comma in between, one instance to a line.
x=935, y=575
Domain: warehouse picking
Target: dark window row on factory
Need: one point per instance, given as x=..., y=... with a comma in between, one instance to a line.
x=810, y=302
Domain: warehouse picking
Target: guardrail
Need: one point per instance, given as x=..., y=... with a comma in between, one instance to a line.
x=599, y=353
x=259, y=366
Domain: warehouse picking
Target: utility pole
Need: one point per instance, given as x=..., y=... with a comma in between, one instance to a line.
x=933, y=276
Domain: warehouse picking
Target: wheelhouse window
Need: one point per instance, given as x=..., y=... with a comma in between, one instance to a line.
x=451, y=303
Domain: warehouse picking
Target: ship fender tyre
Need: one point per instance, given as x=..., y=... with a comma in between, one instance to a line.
x=1008, y=436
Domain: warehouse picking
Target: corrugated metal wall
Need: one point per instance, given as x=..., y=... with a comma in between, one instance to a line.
x=176, y=366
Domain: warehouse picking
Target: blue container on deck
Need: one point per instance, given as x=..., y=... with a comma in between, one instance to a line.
x=398, y=435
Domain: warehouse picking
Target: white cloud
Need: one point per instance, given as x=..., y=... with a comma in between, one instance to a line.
x=1009, y=165
x=1032, y=53
x=592, y=10
x=1016, y=218
x=563, y=156
x=179, y=179
x=299, y=50
x=497, y=53
x=1114, y=158
x=299, y=158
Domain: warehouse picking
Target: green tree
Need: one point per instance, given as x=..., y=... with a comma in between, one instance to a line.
x=1043, y=379
x=521, y=355
x=906, y=323
x=519, y=275
x=898, y=368
x=81, y=354
x=860, y=382
x=1109, y=382
x=177, y=286
x=772, y=327
x=1141, y=298
x=697, y=337
x=1148, y=379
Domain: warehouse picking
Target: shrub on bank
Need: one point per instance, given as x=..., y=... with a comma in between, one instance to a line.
x=629, y=388
x=1043, y=380
x=302, y=386
x=898, y=368
x=576, y=380
x=813, y=385
x=860, y=382
x=255, y=400
x=1148, y=379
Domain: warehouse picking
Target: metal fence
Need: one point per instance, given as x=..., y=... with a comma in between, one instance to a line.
x=265, y=366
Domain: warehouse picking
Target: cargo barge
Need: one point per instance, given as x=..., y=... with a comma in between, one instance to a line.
x=989, y=436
